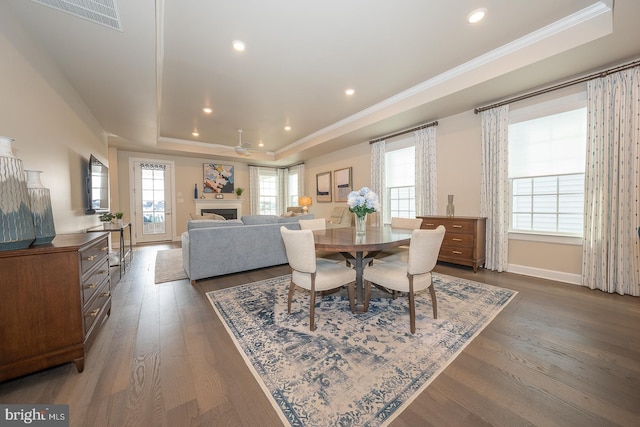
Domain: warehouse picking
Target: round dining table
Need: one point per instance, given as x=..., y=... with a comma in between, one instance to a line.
x=360, y=249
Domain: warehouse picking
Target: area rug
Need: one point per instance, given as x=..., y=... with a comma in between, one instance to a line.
x=169, y=266
x=354, y=369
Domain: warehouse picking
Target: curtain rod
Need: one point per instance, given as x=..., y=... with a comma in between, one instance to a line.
x=559, y=86
x=426, y=125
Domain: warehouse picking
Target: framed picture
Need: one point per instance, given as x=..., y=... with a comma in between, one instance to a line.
x=323, y=187
x=217, y=178
x=342, y=179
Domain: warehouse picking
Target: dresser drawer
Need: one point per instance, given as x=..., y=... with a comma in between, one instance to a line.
x=97, y=308
x=458, y=240
x=94, y=254
x=456, y=252
x=451, y=224
x=94, y=280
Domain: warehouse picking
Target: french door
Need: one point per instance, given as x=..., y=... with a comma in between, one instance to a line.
x=151, y=201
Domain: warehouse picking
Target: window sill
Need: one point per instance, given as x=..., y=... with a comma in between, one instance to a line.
x=546, y=238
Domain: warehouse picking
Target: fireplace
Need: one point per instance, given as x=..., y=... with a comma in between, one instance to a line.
x=226, y=213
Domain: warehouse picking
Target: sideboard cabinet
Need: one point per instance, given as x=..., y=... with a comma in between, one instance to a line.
x=464, y=241
x=55, y=298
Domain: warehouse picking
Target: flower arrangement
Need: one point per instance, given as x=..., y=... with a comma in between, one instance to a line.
x=363, y=201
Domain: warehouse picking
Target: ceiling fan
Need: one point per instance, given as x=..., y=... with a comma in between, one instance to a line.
x=243, y=147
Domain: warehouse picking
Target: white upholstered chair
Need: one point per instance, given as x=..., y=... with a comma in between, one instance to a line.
x=311, y=273
x=406, y=223
x=313, y=224
x=411, y=276
x=401, y=252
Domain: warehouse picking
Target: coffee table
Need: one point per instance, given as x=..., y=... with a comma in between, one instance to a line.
x=359, y=250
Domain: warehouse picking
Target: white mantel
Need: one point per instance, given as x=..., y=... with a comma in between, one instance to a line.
x=218, y=204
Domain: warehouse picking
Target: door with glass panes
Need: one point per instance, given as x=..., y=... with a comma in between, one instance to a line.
x=152, y=201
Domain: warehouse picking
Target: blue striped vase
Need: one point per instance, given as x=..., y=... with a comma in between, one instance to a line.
x=16, y=223
x=40, y=199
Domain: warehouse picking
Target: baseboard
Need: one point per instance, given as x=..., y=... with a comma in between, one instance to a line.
x=558, y=276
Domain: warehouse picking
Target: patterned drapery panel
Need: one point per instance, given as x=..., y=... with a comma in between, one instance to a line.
x=426, y=171
x=378, y=185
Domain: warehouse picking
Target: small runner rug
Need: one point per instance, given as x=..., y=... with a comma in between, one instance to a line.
x=169, y=266
x=354, y=369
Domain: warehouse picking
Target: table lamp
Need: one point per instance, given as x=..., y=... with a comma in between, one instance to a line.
x=305, y=202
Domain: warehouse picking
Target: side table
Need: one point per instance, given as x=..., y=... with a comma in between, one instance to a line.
x=124, y=252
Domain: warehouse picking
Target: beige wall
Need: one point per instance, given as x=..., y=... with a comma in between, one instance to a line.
x=53, y=129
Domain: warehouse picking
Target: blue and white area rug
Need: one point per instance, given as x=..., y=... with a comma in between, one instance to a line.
x=354, y=369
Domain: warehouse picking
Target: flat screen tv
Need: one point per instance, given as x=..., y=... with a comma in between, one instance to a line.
x=97, y=186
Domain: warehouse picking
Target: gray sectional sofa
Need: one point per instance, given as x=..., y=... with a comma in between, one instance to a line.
x=213, y=247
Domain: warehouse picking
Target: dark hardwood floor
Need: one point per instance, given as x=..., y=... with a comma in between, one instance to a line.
x=557, y=355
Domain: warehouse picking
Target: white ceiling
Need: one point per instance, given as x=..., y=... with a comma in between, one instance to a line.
x=410, y=62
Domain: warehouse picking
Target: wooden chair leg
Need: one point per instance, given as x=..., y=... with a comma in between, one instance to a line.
x=292, y=288
x=312, y=310
x=434, y=302
x=412, y=306
x=351, y=289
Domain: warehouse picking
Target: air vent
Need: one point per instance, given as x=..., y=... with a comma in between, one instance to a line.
x=103, y=12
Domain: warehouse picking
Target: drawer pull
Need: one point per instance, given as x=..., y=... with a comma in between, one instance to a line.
x=90, y=258
x=104, y=249
x=456, y=239
x=456, y=252
x=456, y=226
x=103, y=271
x=106, y=294
x=91, y=286
x=94, y=313
x=430, y=225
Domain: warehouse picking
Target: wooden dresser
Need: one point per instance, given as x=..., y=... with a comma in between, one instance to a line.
x=464, y=241
x=55, y=298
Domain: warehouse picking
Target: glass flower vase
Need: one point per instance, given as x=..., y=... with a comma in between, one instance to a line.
x=361, y=224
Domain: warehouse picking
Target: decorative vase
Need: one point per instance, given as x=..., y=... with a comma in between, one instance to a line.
x=119, y=222
x=195, y=191
x=40, y=198
x=16, y=223
x=361, y=224
x=451, y=209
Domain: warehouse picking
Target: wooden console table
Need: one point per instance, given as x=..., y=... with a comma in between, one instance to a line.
x=55, y=298
x=464, y=241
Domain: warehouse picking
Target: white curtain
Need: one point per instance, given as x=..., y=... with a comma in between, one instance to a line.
x=301, y=183
x=611, y=243
x=494, y=185
x=283, y=192
x=254, y=189
x=378, y=185
x=426, y=171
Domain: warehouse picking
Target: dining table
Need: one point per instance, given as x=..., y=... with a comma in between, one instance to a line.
x=360, y=249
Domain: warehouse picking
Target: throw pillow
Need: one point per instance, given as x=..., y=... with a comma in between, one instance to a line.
x=208, y=216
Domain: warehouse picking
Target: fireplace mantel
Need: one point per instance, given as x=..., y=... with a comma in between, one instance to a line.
x=218, y=204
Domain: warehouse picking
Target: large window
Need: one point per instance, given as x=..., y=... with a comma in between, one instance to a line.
x=400, y=200
x=292, y=189
x=268, y=201
x=546, y=172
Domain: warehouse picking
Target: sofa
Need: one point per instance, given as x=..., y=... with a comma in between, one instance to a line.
x=215, y=247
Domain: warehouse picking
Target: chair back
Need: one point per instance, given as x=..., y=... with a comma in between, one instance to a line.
x=424, y=249
x=300, y=248
x=408, y=223
x=313, y=224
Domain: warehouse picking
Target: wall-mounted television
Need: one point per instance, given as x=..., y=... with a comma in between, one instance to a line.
x=97, y=186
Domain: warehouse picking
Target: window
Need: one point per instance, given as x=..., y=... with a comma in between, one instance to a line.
x=546, y=172
x=292, y=189
x=268, y=200
x=400, y=200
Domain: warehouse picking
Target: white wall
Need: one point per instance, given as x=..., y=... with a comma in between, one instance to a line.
x=53, y=129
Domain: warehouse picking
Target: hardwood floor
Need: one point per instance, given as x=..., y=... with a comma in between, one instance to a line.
x=558, y=354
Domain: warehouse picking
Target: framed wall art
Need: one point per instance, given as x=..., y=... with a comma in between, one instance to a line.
x=323, y=187
x=217, y=178
x=343, y=185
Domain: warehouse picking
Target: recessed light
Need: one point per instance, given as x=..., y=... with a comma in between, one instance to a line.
x=207, y=110
x=195, y=133
x=287, y=128
x=239, y=45
x=477, y=15
x=350, y=91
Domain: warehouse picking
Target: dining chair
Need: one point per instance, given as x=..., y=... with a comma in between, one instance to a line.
x=313, y=224
x=400, y=253
x=311, y=273
x=411, y=276
x=406, y=223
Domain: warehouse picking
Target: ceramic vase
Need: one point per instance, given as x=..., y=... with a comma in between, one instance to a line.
x=361, y=224
x=16, y=223
x=451, y=209
x=40, y=199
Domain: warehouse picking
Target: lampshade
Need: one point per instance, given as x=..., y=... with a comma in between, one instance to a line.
x=305, y=201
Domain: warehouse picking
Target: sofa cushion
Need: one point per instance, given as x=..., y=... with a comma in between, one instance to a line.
x=295, y=218
x=208, y=223
x=259, y=219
